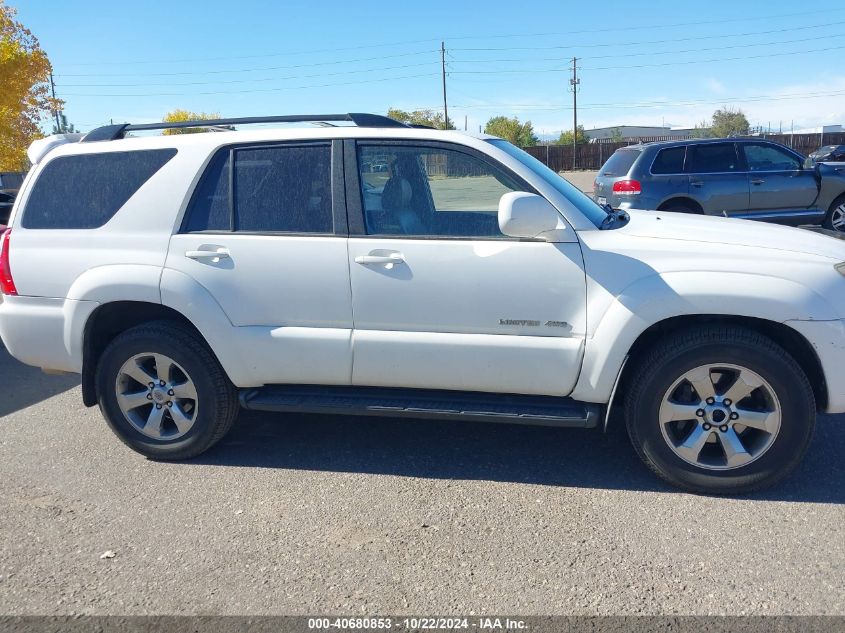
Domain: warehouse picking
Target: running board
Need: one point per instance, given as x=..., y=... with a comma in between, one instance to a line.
x=422, y=403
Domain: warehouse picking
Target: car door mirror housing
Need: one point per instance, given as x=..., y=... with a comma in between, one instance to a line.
x=526, y=215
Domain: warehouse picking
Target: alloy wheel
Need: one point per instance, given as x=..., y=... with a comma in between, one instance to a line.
x=156, y=396
x=720, y=416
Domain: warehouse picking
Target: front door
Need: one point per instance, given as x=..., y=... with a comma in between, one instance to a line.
x=443, y=300
x=777, y=179
x=264, y=236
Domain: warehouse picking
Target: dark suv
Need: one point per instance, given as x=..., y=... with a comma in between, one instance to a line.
x=743, y=178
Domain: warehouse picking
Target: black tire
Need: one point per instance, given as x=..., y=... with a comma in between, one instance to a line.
x=217, y=398
x=828, y=218
x=677, y=354
x=681, y=207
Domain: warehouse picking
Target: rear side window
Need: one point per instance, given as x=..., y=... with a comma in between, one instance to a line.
x=281, y=189
x=669, y=161
x=712, y=158
x=620, y=162
x=86, y=191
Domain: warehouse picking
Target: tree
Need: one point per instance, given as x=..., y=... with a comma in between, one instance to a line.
x=175, y=116
x=430, y=118
x=510, y=129
x=64, y=127
x=24, y=91
x=701, y=130
x=615, y=135
x=729, y=122
x=566, y=137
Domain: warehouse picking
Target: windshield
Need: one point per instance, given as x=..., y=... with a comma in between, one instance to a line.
x=579, y=199
x=619, y=162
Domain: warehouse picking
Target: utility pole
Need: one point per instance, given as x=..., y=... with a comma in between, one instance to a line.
x=574, y=82
x=443, y=70
x=55, y=110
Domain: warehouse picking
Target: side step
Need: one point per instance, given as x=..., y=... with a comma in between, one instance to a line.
x=423, y=403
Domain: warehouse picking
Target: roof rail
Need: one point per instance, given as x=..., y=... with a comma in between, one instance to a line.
x=361, y=119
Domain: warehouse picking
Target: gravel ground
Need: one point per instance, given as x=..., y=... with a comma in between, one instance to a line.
x=309, y=514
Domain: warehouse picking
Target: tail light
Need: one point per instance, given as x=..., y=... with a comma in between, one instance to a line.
x=627, y=187
x=7, y=284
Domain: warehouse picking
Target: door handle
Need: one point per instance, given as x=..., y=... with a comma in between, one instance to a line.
x=393, y=258
x=220, y=253
x=697, y=183
x=757, y=181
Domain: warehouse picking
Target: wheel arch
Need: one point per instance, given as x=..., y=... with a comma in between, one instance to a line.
x=691, y=202
x=111, y=319
x=792, y=341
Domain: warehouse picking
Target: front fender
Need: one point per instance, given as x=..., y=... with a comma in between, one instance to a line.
x=657, y=298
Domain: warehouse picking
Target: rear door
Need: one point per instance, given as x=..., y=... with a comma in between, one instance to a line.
x=716, y=178
x=443, y=300
x=777, y=179
x=265, y=234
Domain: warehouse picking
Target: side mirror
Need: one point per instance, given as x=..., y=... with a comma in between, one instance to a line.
x=526, y=215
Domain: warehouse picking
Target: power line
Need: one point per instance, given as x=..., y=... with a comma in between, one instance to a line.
x=223, y=92
x=247, y=70
x=628, y=27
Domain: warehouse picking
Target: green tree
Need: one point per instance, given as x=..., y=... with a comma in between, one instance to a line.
x=24, y=90
x=566, y=137
x=64, y=127
x=431, y=118
x=615, y=135
x=729, y=122
x=178, y=115
x=702, y=130
x=510, y=129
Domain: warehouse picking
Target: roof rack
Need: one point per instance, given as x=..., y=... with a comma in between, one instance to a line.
x=361, y=119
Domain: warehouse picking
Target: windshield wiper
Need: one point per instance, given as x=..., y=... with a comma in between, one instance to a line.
x=614, y=218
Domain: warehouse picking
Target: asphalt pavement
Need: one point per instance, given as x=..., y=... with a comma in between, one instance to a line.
x=304, y=514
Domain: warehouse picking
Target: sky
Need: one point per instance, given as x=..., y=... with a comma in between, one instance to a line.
x=639, y=63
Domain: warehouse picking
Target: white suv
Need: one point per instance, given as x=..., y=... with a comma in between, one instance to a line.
x=380, y=269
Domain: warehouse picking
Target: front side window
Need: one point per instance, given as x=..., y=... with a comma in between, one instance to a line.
x=712, y=158
x=280, y=189
x=764, y=157
x=430, y=192
x=87, y=190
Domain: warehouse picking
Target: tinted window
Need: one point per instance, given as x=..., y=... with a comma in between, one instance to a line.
x=285, y=189
x=209, y=209
x=619, y=162
x=430, y=192
x=769, y=158
x=711, y=158
x=575, y=196
x=669, y=161
x=85, y=191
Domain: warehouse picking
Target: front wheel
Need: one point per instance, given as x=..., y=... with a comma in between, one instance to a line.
x=835, y=218
x=720, y=410
x=163, y=392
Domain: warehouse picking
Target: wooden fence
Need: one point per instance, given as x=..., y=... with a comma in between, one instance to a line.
x=593, y=155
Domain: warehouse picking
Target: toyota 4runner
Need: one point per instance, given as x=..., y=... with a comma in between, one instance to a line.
x=380, y=269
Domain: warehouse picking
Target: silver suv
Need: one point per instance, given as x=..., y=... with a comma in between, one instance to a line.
x=743, y=178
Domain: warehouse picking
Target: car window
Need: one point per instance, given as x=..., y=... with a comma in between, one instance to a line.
x=712, y=158
x=85, y=191
x=619, y=163
x=430, y=192
x=280, y=189
x=765, y=157
x=669, y=161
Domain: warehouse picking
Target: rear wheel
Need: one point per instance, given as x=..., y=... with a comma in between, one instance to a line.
x=164, y=393
x=720, y=410
x=835, y=218
x=680, y=207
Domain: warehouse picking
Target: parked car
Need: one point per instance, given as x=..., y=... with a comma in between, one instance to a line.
x=741, y=178
x=826, y=154
x=188, y=276
x=6, y=202
x=11, y=181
